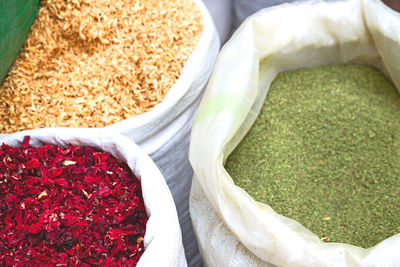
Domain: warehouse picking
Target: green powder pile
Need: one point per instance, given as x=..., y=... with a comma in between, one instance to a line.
x=325, y=151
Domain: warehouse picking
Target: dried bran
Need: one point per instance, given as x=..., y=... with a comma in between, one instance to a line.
x=94, y=63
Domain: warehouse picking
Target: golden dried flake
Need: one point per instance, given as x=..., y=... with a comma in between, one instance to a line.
x=326, y=218
x=68, y=162
x=94, y=63
x=85, y=193
x=325, y=238
x=43, y=194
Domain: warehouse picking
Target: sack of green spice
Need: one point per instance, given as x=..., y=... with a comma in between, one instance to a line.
x=232, y=228
x=162, y=238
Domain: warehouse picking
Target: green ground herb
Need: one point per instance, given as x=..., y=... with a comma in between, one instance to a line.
x=325, y=151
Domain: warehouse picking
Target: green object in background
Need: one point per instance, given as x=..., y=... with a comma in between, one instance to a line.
x=325, y=151
x=16, y=17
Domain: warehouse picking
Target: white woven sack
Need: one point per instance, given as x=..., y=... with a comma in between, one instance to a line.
x=164, y=132
x=162, y=241
x=273, y=40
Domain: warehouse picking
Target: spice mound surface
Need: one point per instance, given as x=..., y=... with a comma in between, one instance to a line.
x=70, y=206
x=324, y=151
x=93, y=63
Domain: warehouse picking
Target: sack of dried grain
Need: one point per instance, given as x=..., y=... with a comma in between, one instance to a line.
x=162, y=239
x=134, y=67
x=16, y=18
x=232, y=228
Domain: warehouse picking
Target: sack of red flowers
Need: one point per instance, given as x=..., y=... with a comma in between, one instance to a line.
x=79, y=197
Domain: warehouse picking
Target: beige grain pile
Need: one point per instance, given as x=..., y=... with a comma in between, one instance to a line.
x=91, y=63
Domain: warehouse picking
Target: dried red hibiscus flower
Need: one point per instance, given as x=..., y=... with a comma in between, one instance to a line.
x=73, y=206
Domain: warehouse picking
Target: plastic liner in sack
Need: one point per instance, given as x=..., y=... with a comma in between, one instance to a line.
x=164, y=132
x=278, y=39
x=162, y=241
x=16, y=18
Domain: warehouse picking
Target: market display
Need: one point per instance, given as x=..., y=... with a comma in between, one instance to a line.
x=294, y=148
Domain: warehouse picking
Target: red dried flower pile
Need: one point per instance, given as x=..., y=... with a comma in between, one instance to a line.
x=73, y=206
